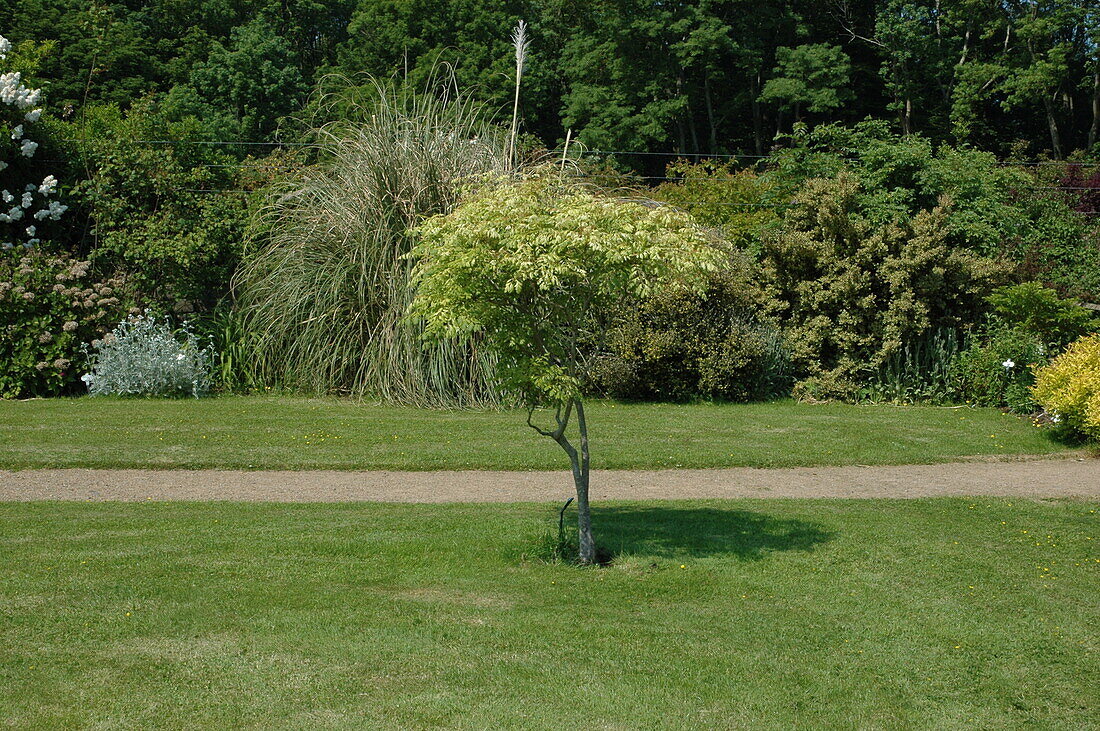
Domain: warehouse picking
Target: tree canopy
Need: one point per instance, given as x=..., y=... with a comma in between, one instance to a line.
x=705, y=76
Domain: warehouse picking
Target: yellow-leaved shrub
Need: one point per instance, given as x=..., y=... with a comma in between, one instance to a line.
x=1069, y=387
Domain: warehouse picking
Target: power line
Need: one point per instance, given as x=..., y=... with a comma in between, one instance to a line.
x=641, y=153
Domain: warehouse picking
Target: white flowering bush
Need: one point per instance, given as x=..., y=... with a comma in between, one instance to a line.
x=24, y=206
x=144, y=357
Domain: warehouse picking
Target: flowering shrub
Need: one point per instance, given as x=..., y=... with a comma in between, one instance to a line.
x=1069, y=388
x=143, y=357
x=49, y=307
x=998, y=368
x=24, y=207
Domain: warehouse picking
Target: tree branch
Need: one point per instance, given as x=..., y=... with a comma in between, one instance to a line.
x=530, y=413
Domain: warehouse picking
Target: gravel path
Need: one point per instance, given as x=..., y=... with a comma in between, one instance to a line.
x=1074, y=478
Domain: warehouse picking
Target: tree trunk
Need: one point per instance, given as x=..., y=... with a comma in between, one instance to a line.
x=757, y=116
x=579, y=462
x=710, y=116
x=580, y=478
x=694, y=129
x=1055, y=138
x=1094, y=130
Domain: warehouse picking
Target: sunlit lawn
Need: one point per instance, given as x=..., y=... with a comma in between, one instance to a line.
x=779, y=614
x=298, y=433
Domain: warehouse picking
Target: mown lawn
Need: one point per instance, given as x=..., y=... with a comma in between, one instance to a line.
x=298, y=433
x=810, y=614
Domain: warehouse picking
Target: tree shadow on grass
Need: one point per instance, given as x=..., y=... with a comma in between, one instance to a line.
x=695, y=532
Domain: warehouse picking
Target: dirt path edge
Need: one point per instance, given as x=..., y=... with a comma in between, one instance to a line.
x=1063, y=478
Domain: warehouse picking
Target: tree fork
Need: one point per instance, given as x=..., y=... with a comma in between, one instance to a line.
x=579, y=462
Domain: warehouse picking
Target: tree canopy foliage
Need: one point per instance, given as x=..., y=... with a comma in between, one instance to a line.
x=705, y=76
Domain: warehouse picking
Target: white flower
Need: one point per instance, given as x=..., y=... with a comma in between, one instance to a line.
x=15, y=213
x=49, y=183
x=3, y=165
x=5, y=46
x=12, y=91
x=28, y=200
x=56, y=209
x=6, y=196
x=27, y=148
x=30, y=230
x=17, y=133
x=33, y=115
x=1056, y=419
x=1008, y=364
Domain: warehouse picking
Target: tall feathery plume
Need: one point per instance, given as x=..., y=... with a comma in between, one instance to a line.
x=521, y=42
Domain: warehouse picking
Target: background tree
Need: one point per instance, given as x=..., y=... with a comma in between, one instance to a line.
x=531, y=266
x=810, y=77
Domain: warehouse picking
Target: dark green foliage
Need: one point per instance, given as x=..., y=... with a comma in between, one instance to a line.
x=246, y=87
x=706, y=76
x=811, y=77
x=920, y=372
x=676, y=346
x=159, y=211
x=1038, y=310
x=51, y=306
x=998, y=368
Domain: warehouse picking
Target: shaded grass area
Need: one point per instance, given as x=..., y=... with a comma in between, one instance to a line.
x=299, y=433
x=929, y=613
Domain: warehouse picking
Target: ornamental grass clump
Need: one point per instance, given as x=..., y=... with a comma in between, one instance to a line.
x=322, y=299
x=1069, y=388
x=144, y=357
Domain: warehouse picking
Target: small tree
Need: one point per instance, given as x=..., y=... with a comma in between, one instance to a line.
x=532, y=266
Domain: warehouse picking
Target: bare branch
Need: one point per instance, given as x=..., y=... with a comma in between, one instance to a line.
x=530, y=413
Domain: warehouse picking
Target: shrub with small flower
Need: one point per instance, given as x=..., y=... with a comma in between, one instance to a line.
x=144, y=357
x=50, y=306
x=998, y=368
x=24, y=206
x=1069, y=388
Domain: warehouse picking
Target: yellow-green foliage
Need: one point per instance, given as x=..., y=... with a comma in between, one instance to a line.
x=736, y=202
x=852, y=292
x=533, y=264
x=1070, y=386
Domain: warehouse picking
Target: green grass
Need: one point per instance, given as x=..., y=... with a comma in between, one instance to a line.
x=811, y=614
x=298, y=433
